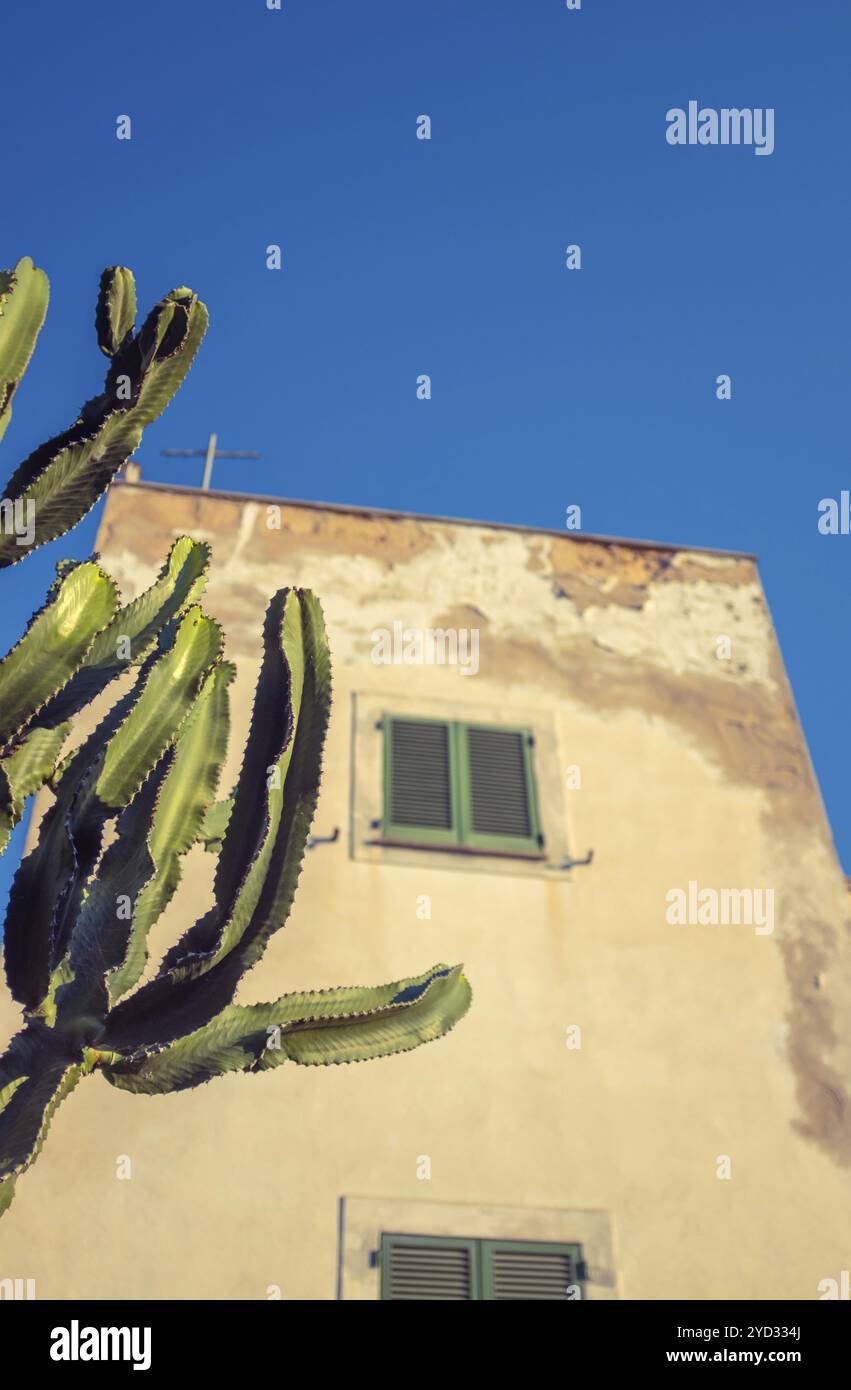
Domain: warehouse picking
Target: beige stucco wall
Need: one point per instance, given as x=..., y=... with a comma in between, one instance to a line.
x=697, y=1041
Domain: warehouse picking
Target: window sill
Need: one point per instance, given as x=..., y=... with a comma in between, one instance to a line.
x=469, y=851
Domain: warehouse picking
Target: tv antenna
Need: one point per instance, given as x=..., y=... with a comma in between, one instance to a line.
x=210, y=454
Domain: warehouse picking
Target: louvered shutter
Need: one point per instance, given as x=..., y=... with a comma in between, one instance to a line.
x=525, y=1270
x=418, y=788
x=452, y=783
x=429, y=1268
x=498, y=801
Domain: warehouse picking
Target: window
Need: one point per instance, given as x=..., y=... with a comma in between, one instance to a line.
x=446, y=1267
x=463, y=785
x=407, y=1248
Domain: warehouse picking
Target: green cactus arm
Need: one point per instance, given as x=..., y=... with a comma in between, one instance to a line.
x=34, y=1080
x=96, y=783
x=140, y=870
x=186, y=794
x=170, y=336
x=98, y=938
x=34, y=760
x=238, y=889
x=125, y=642
x=60, y=975
x=351, y=1024
x=24, y=293
x=9, y=1089
x=115, y=315
x=134, y=630
x=149, y=729
x=276, y=794
x=263, y=848
x=24, y=771
x=43, y=877
x=179, y=584
x=64, y=477
x=11, y=808
x=214, y=824
x=78, y=607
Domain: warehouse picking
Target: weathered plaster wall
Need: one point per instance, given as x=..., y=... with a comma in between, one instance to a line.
x=698, y=1041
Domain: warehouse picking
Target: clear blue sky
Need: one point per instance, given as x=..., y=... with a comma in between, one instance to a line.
x=403, y=256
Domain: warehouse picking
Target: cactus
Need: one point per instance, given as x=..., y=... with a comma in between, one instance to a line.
x=68, y=653
x=24, y=293
x=80, y=913
x=63, y=478
x=135, y=795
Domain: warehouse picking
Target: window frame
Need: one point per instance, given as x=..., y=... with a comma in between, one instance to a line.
x=461, y=837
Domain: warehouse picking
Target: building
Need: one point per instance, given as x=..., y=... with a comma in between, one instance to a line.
x=637, y=1105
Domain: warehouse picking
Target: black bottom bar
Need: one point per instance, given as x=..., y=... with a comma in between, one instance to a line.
x=190, y=1339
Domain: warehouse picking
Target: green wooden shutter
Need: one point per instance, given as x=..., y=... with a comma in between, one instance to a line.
x=420, y=801
x=498, y=803
x=429, y=1268
x=515, y=1269
x=452, y=783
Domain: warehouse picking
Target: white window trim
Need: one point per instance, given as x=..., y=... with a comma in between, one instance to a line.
x=363, y=1221
x=367, y=786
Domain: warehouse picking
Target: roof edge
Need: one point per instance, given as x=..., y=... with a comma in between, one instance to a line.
x=351, y=509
